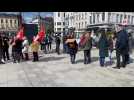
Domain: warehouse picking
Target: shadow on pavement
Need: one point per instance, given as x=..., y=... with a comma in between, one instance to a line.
x=108, y=63
x=50, y=59
x=93, y=59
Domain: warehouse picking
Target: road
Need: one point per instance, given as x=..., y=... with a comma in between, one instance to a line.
x=56, y=71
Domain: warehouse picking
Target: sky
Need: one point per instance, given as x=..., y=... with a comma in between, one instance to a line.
x=29, y=15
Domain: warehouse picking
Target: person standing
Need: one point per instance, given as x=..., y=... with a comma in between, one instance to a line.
x=73, y=48
x=6, y=48
x=1, y=50
x=25, y=48
x=18, y=49
x=110, y=40
x=46, y=45
x=12, y=42
x=121, y=47
x=58, y=44
x=50, y=43
x=35, y=49
x=86, y=45
x=103, y=48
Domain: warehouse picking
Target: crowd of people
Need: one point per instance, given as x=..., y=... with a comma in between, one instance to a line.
x=119, y=41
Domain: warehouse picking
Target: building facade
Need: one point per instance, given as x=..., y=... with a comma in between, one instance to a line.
x=59, y=22
x=82, y=20
x=9, y=23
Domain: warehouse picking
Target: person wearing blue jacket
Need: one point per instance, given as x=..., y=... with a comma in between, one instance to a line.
x=122, y=47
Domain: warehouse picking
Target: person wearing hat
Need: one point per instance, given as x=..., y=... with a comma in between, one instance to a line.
x=73, y=48
x=121, y=46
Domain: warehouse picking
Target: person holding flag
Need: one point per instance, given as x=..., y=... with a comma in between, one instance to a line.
x=18, y=44
x=36, y=41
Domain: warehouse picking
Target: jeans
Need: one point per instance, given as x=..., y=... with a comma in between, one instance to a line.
x=72, y=58
x=87, y=56
x=102, y=61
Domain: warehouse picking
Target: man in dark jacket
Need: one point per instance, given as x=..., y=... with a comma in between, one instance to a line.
x=18, y=49
x=58, y=44
x=122, y=47
x=6, y=48
x=1, y=49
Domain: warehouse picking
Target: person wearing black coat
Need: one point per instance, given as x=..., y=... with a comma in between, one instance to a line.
x=18, y=49
x=1, y=50
x=6, y=48
x=122, y=48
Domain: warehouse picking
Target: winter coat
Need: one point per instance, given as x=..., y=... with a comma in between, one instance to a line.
x=25, y=46
x=18, y=45
x=35, y=46
x=103, y=47
x=88, y=45
x=122, y=42
x=72, y=46
x=5, y=42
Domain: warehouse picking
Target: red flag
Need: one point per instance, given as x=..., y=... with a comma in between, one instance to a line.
x=41, y=34
x=20, y=34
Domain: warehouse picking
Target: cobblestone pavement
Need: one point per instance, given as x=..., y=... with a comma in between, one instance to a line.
x=56, y=71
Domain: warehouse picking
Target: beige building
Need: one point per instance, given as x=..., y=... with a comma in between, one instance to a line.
x=9, y=23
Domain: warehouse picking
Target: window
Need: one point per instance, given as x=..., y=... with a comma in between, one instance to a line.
x=93, y=18
x=90, y=19
x=79, y=25
x=55, y=23
x=79, y=17
x=125, y=16
x=63, y=23
x=15, y=21
x=82, y=16
x=109, y=16
x=98, y=18
x=64, y=14
x=117, y=21
x=128, y=18
x=121, y=18
x=58, y=14
x=85, y=24
x=58, y=29
x=82, y=25
x=58, y=23
x=63, y=29
x=6, y=21
x=103, y=16
x=55, y=29
x=132, y=20
x=1, y=20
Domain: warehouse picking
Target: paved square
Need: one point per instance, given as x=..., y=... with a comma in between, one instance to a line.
x=56, y=71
